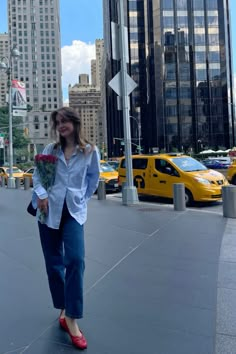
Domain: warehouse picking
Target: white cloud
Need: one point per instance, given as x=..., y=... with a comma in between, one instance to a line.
x=76, y=59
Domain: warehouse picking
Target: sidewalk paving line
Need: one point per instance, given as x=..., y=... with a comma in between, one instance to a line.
x=127, y=255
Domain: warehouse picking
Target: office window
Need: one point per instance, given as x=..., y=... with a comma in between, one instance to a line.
x=198, y=4
x=212, y=4
x=200, y=57
x=199, y=38
x=214, y=57
x=201, y=75
x=181, y=5
x=168, y=21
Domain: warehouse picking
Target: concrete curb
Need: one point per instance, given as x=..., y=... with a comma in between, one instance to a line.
x=226, y=294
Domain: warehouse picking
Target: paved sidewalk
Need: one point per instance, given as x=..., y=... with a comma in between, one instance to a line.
x=151, y=287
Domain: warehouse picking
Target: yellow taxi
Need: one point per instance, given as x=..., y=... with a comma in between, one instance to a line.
x=109, y=176
x=29, y=173
x=231, y=173
x=16, y=172
x=155, y=175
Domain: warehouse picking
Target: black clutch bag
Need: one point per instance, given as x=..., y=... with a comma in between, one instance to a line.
x=31, y=209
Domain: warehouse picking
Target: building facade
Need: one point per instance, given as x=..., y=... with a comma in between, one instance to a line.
x=4, y=48
x=85, y=99
x=34, y=26
x=181, y=58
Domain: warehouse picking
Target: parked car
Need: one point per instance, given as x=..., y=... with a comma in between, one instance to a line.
x=225, y=162
x=109, y=176
x=156, y=174
x=231, y=173
x=214, y=164
x=16, y=172
x=114, y=164
x=29, y=173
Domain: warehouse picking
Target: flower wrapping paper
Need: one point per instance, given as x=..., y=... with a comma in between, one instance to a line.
x=46, y=166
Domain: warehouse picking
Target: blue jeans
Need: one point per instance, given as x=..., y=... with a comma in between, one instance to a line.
x=63, y=251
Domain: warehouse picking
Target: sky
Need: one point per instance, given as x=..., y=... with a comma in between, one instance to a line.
x=81, y=25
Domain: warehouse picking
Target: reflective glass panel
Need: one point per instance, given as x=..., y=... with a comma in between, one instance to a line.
x=171, y=92
x=214, y=57
x=170, y=71
x=199, y=39
x=200, y=57
x=212, y=4
x=185, y=92
x=214, y=74
x=167, y=4
x=181, y=4
x=182, y=21
x=201, y=75
x=199, y=21
x=198, y=4
x=213, y=39
x=212, y=21
x=184, y=72
x=168, y=21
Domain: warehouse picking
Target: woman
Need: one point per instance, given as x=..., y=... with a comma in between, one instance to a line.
x=65, y=207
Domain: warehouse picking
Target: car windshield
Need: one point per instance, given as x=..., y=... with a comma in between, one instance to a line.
x=14, y=170
x=188, y=164
x=105, y=167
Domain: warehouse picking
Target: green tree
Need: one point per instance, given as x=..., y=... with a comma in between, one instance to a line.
x=19, y=140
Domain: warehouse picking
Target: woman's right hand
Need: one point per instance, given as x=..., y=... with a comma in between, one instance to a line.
x=43, y=205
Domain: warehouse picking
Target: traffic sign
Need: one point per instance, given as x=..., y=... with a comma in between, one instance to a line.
x=115, y=84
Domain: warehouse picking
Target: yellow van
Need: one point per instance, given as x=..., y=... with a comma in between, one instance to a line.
x=156, y=174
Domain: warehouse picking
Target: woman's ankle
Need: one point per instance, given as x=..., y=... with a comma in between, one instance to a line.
x=62, y=314
x=73, y=326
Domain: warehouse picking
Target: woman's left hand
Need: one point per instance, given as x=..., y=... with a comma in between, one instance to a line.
x=43, y=205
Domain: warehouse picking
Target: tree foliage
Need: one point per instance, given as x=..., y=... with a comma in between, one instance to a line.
x=19, y=140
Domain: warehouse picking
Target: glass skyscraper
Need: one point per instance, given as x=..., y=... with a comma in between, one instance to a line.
x=180, y=55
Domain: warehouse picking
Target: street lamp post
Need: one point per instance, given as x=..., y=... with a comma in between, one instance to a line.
x=139, y=133
x=6, y=65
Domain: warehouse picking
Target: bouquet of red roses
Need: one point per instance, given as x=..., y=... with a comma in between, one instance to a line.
x=46, y=166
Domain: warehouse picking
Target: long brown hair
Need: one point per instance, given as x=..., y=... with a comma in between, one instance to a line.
x=73, y=117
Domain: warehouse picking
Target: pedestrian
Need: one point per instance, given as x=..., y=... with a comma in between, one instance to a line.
x=65, y=210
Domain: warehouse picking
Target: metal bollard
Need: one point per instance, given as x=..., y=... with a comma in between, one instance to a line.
x=26, y=183
x=3, y=182
x=17, y=182
x=179, y=196
x=229, y=201
x=101, y=190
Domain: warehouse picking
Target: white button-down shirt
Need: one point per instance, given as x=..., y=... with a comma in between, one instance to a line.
x=75, y=183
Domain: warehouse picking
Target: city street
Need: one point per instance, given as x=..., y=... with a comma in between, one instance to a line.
x=157, y=281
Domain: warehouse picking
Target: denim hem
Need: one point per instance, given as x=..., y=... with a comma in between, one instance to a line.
x=74, y=316
x=59, y=307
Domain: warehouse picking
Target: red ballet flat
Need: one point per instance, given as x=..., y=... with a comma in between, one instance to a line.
x=78, y=341
x=63, y=324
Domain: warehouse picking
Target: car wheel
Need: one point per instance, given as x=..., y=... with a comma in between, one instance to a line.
x=188, y=197
x=233, y=180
